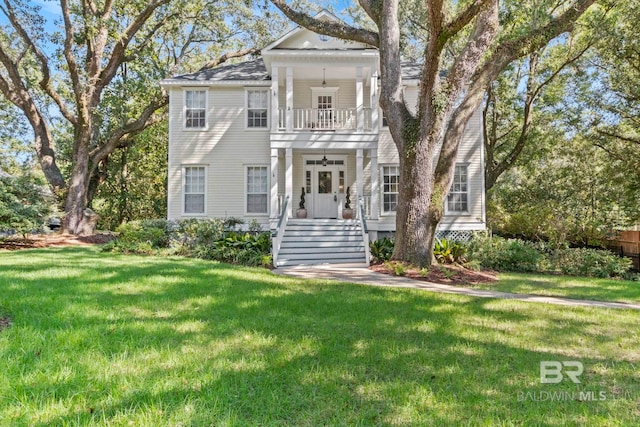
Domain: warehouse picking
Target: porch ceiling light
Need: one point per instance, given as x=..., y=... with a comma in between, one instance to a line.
x=324, y=158
x=324, y=80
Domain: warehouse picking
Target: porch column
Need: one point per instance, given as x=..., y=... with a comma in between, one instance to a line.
x=359, y=99
x=275, y=114
x=374, y=101
x=274, y=184
x=359, y=173
x=375, y=184
x=289, y=99
x=289, y=179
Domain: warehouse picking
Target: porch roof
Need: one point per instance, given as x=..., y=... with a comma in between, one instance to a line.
x=255, y=71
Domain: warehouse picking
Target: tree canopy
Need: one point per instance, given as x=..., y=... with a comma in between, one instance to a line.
x=91, y=86
x=474, y=41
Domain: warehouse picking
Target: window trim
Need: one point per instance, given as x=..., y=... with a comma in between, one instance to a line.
x=383, y=212
x=183, y=194
x=266, y=89
x=468, y=192
x=184, y=109
x=246, y=190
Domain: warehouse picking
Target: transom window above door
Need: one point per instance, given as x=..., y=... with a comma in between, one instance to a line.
x=325, y=102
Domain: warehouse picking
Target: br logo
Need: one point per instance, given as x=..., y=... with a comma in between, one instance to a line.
x=553, y=372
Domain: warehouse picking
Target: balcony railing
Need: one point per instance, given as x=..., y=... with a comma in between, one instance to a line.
x=325, y=119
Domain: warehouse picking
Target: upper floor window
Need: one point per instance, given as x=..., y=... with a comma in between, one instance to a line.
x=257, y=108
x=390, y=181
x=458, y=198
x=195, y=109
x=194, y=184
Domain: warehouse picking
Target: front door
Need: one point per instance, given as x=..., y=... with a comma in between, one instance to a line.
x=326, y=193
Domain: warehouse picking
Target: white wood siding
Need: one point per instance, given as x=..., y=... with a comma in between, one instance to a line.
x=225, y=148
x=470, y=152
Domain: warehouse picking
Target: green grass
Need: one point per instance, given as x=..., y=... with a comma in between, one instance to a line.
x=113, y=340
x=567, y=286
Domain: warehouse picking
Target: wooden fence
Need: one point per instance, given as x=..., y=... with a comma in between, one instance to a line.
x=627, y=243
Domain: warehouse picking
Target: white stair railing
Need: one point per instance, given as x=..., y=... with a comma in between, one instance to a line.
x=365, y=230
x=276, y=239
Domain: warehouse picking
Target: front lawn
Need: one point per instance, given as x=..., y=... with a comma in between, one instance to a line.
x=566, y=286
x=113, y=340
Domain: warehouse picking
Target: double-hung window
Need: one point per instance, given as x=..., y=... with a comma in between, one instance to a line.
x=458, y=198
x=257, y=108
x=257, y=190
x=195, y=109
x=390, y=181
x=193, y=181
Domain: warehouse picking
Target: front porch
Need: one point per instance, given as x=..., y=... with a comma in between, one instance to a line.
x=325, y=175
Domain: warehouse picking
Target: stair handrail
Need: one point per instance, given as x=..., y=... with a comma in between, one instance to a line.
x=279, y=233
x=364, y=229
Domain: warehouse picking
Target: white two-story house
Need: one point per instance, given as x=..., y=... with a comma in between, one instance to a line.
x=246, y=139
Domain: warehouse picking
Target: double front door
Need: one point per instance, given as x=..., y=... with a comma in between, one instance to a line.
x=327, y=187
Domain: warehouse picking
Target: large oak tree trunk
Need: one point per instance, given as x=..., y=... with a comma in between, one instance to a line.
x=78, y=219
x=417, y=213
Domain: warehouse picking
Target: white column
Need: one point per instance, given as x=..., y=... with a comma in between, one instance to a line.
x=359, y=173
x=289, y=99
x=374, y=101
x=359, y=99
x=275, y=105
x=274, y=184
x=289, y=179
x=375, y=184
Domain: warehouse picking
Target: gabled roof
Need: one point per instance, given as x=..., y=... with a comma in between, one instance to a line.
x=322, y=15
x=243, y=71
x=255, y=71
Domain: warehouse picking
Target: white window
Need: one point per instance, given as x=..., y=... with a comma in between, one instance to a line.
x=194, y=189
x=257, y=190
x=458, y=199
x=195, y=109
x=257, y=108
x=390, y=181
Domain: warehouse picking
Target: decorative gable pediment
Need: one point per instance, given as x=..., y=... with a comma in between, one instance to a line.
x=304, y=39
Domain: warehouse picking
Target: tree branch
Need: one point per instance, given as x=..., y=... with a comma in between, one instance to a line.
x=146, y=117
x=45, y=82
x=453, y=27
x=524, y=45
x=334, y=29
x=71, y=62
x=115, y=59
x=635, y=140
x=227, y=56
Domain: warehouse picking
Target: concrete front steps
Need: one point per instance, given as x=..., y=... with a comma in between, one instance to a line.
x=322, y=241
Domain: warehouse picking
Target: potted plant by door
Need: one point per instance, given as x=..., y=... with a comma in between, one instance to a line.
x=347, y=212
x=301, y=212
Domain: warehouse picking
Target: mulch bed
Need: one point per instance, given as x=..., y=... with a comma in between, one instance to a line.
x=53, y=240
x=444, y=274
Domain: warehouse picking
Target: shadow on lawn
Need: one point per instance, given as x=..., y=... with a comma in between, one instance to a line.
x=243, y=346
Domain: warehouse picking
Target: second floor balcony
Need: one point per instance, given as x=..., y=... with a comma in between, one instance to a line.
x=326, y=119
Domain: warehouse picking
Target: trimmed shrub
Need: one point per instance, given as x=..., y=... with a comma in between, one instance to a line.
x=23, y=205
x=212, y=239
x=147, y=234
x=504, y=254
x=501, y=254
x=590, y=262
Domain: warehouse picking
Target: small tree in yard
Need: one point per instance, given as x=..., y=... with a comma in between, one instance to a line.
x=477, y=39
x=23, y=205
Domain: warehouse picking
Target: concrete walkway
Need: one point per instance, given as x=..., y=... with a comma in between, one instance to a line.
x=367, y=277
